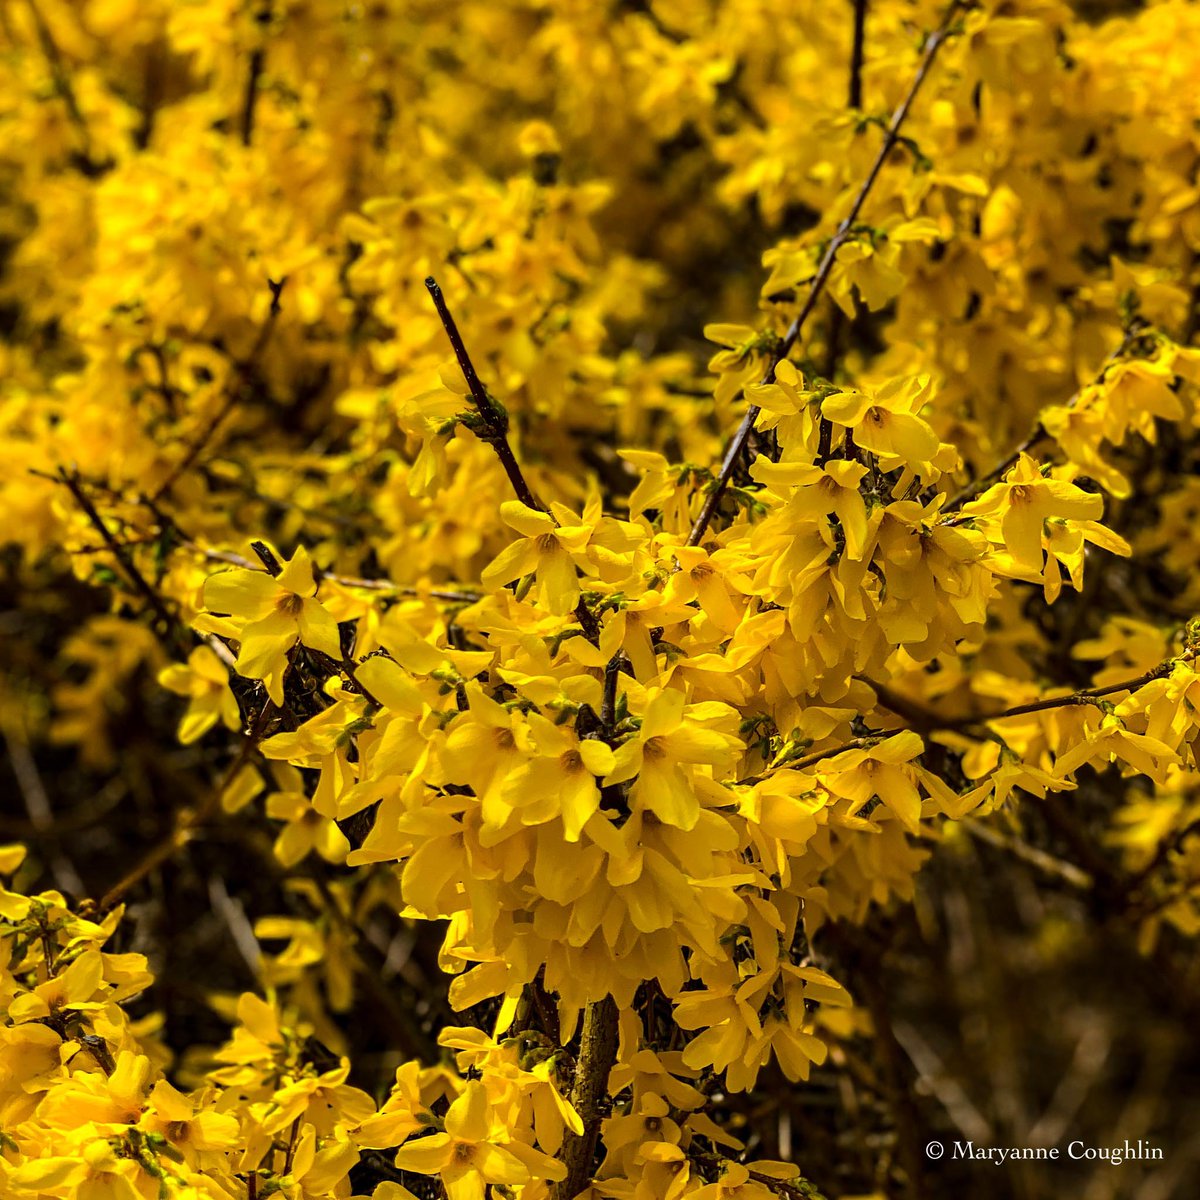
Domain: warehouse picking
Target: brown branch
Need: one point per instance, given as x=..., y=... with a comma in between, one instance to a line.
x=82, y=817
x=349, y=581
x=856, y=55
x=608, y=707
x=925, y=720
x=799, y=764
x=494, y=431
x=1167, y=847
x=862, y=743
x=117, y=547
x=1038, y=433
x=290, y=1154
x=781, y=1187
x=1087, y=696
x=597, y=1054
x=71, y=480
x=141, y=540
x=258, y=60
x=1068, y=872
x=404, y=1024
x=240, y=380
x=1191, y=322
x=37, y=805
x=62, y=85
x=189, y=820
x=853, y=946
x=932, y=44
x=494, y=419
x=837, y=318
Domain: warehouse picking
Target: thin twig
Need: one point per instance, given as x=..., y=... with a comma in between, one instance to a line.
x=925, y=720
x=896, y=1079
x=241, y=932
x=1047, y=863
x=1166, y=848
x=37, y=805
x=137, y=580
x=1037, y=434
x=608, y=707
x=717, y=489
x=117, y=547
x=348, y=581
x=495, y=432
x=856, y=53
x=781, y=1187
x=234, y=394
x=837, y=318
x=495, y=421
x=62, y=85
x=258, y=60
x=1086, y=696
x=403, y=1019
x=799, y=764
x=290, y=1154
x=189, y=820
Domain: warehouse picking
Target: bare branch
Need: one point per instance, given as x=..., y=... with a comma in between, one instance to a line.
x=495, y=423
x=137, y=580
x=932, y=44
x=236, y=388
x=1037, y=434
x=258, y=61
x=493, y=418
x=189, y=820
x=597, y=1054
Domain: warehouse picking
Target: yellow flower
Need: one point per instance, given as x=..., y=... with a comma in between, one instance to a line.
x=735, y=1183
x=72, y=990
x=869, y=267
x=1024, y=502
x=485, y=745
x=551, y=549
x=812, y=492
x=193, y=1128
x=885, y=422
x=205, y=681
x=277, y=613
x=114, y=1100
x=883, y=771
x=560, y=780
x=661, y=757
x=307, y=828
x=96, y=1170
x=742, y=362
x=475, y=1150
x=402, y=1114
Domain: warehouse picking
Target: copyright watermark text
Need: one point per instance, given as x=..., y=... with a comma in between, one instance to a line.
x=1076, y=1150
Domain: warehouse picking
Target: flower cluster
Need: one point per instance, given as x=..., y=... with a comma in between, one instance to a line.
x=366, y=385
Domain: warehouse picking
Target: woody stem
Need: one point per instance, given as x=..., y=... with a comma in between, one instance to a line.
x=932, y=44
x=597, y=1054
x=497, y=433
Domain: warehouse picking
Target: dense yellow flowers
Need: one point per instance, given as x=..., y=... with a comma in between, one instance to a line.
x=535, y=653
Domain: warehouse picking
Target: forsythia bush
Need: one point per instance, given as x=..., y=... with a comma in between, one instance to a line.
x=353, y=353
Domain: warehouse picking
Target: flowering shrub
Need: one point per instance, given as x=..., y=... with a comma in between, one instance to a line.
x=353, y=354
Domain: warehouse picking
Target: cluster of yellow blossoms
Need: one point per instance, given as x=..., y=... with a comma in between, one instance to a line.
x=88, y=1110
x=535, y=652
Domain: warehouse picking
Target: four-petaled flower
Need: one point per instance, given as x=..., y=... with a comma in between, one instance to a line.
x=277, y=611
